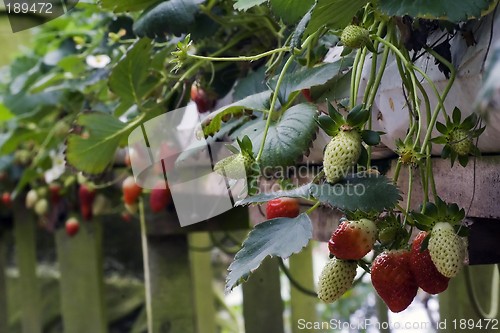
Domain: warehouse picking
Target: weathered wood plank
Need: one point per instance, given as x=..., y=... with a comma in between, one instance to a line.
x=202, y=273
x=303, y=306
x=458, y=185
x=25, y=244
x=169, y=285
x=262, y=303
x=82, y=284
x=4, y=319
x=455, y=304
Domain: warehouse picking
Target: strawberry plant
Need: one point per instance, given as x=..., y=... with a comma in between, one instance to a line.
x=268, y=79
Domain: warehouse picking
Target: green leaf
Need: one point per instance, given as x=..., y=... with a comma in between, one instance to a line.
x=446, y=152
x=441, y=128
x=5, y=113
x=362, y=191
x=463, y=160
x=422, y=222
x=371, y=138
x=95, y=153
x=127, y=5
x=469, y=122
x=130, y=79
x=335, y=115
x=334, y=13
x=456, y=116
x=311, y=77
x=328, y=125
x=291, y=11
x=280, y=237
x=440, y=140
x=450, y=10
x=301, y=28
x=172, y=16
x=257, y=102
x=247, y=4
x=357, y=116
x=299, y=192
x=288, y=139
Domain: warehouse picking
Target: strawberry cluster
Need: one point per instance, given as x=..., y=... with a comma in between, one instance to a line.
x=433, y=258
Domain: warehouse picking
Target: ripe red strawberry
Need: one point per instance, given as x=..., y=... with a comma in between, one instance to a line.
x=160, y=198
x=426, y=274
x=307, y=94
x=131, y=191
x=86, y=196
x=352, y=240
x=282, y=207
x=55, y=193
x=6, y=199
x=72, y=226
x=201, y=98
x=393, y=279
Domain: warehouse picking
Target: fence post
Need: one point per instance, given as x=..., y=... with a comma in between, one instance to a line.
x=454, y=303
x=202, y=273
x=25, y=243
x=303, y=306
x=4, y=319
x=169, y=287
x=82, y=283
x=262, y=303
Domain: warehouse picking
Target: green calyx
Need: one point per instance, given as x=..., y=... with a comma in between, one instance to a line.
x=458, y=137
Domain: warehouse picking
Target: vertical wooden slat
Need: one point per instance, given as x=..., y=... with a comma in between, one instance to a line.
x=82, y=283
x=454, y=303
x=202, y=272
x=170, y=285
x=262, y=303
x=382, y=315
x=4, y=319
x=25, y=244
x=303, y=306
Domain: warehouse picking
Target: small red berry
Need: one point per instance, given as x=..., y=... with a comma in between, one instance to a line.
x=131, y=191
x=6, y=199
x=307, y=95
x=282, y=207
x=203, y=102
x=160, y=198
x=86, y=196
x=72, y=226
x=55, y=193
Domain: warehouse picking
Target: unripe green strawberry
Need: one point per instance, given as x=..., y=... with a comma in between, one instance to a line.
x=341, y=153
x=31, y=198
x=355, y=36
x=388, y=229
x=234, y=167
x=460, y=142
x=446, y=249
x=41, y=207
x=335, y=279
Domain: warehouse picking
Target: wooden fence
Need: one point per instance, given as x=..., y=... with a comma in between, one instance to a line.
x=179, y=280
